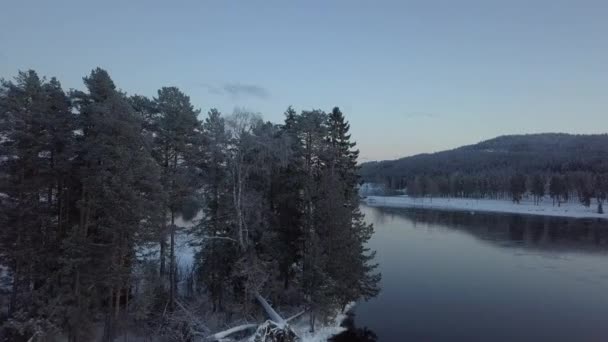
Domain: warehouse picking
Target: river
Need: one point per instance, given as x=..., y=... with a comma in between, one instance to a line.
x=459, y=276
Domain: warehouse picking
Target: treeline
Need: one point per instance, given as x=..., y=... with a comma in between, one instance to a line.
x=564, y=166
x=91, y=185
x=584, y=187
x=546, y=153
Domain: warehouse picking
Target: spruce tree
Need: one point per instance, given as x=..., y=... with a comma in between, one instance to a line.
x=311, y=134
x=288, y=203
x=353, y=275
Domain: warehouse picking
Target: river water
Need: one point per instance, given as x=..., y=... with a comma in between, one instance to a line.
x=459, y=276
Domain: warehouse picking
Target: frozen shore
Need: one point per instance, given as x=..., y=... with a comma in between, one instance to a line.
x=546, y=207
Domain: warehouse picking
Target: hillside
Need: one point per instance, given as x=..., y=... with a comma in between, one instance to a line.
x=531, y=153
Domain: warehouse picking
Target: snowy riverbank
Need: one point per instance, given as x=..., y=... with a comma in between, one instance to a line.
x=546, y=208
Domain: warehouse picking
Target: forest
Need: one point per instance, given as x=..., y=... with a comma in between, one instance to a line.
x=564, y=167
x=93, y=183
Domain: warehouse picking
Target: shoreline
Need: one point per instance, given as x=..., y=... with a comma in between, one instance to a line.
x=525, y=207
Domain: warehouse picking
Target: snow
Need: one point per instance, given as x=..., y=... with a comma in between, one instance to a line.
x=5, y=280
x=224, y=334
x=300, y=327
x=322, y=332
x=274, y=316
x=545, y=208
x=367, y=189
x=184, y=252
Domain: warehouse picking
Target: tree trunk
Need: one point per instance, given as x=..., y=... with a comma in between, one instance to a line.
x=312, y=320
x=127, y=293
x=172, y=263
x=236, y=194
x=220, y=301
x=117, y=302
x=108, y=326
x=286, y=278
x=163, y=237
x=14, y=289
x=163, y=247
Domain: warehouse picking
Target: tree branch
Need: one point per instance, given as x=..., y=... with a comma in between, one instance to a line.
x=223, y=334
x=273, y=315
x=219, y=238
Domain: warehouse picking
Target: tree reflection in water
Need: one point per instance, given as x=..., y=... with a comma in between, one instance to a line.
x=535, y=232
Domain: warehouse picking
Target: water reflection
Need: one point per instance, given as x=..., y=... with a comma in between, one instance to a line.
x=540, y=232
x=459, y=276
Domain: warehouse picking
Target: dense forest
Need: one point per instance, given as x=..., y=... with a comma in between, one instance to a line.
x=565, y=167
x=93, y=182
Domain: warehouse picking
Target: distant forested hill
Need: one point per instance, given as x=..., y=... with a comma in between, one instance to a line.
x=546, y=154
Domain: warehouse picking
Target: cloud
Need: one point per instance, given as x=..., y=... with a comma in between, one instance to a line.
x=238, y=90
x=426, y=115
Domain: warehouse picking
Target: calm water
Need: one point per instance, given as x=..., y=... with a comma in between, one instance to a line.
x=454, y=276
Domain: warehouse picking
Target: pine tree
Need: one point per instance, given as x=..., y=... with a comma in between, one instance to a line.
x=600, y=187
x=118, y=186
x=177, y=133
x=287, y=186
x=583, y=183
x=215, y=232
x=538, y=188
x=556, y=188
x=90, y=179
x=517, y=187
x=35, y=139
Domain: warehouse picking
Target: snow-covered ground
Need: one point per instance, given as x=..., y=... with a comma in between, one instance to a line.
x=546, y=207
x=322, y=332
x=185, y=258
x=371, y=189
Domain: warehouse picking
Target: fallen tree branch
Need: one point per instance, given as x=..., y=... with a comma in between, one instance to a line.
x=295, y=316
x=273, y=315
x=223, y=334
x=274, y=329
x=162, y=318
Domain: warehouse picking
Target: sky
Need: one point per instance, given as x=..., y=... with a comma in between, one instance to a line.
x=410, y=76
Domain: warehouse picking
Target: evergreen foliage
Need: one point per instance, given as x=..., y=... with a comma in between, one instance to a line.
x=92, y=184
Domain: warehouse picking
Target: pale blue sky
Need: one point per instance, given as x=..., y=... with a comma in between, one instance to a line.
x=411, y=76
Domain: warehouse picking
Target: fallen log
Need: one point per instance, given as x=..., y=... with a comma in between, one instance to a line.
x=275, y=329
